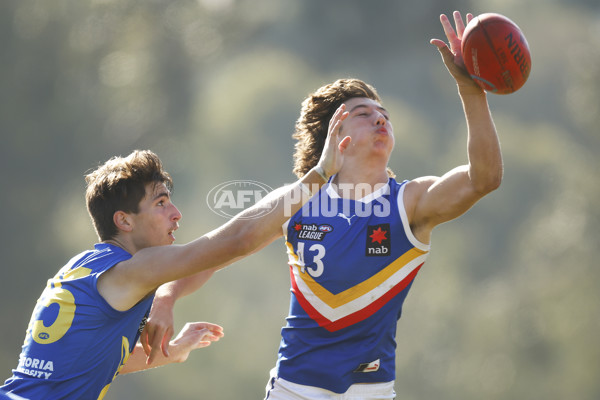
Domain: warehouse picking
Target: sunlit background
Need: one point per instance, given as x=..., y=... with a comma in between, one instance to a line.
x=507, y=307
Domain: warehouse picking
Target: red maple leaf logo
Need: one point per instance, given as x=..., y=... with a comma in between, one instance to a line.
x=378, y=235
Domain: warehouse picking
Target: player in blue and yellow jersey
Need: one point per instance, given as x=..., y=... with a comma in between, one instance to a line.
x=355, y=248
x=86, y=324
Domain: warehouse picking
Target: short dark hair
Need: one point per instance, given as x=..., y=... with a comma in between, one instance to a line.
x=120, y=185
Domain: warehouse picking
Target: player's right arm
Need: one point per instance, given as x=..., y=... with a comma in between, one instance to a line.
x=129, y=281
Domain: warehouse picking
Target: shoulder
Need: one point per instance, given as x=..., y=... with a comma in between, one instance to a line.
x=104, y=256
x=415, y=189
x=414, y=192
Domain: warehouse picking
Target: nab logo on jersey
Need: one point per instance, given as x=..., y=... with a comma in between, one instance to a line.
x=378, y=240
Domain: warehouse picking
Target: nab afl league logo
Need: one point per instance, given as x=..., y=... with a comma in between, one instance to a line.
x=379, y=242
x=311, y=231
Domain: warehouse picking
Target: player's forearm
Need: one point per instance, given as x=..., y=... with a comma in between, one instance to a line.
x=172, y=291
x=261, y=224
x=483, y=147
x=243, y=235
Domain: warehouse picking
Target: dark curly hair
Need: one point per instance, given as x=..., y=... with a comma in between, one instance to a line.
x=317, y=110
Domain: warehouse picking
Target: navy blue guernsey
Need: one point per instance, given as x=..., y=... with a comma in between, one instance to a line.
x=352, y=264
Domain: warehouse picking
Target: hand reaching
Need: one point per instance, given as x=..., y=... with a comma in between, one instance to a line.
x=332, y=156
x=158, y=330
x=194, y=335
x=452, y=56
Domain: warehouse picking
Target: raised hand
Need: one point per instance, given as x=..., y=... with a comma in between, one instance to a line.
x=332, y=156
x=452, y=56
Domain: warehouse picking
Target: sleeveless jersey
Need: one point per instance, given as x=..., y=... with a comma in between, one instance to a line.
x=352, y=264
x=76, y=342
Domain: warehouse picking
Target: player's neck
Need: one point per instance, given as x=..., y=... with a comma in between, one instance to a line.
x=122, y=243
x=365, y=180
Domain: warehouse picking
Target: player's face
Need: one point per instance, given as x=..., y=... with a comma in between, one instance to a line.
x=157, y=218
x=369, y=126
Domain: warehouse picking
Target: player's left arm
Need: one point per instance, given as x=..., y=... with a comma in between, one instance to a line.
x=440, y=199
x=161, y=319
x=194, y=335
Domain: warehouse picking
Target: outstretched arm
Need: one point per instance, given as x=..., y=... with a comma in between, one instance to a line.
x=434, y=200
x=159, y=328
x=129, y=281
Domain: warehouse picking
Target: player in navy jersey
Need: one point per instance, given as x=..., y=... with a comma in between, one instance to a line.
x=348, y=286
x=355, y=248
x=86, y=324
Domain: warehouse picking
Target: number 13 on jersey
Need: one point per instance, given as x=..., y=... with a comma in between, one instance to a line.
x=317, y=252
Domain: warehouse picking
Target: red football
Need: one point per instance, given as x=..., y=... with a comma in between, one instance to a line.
x=496, y=53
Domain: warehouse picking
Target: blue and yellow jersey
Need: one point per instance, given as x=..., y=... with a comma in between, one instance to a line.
x=76, y=343
x=352, y=264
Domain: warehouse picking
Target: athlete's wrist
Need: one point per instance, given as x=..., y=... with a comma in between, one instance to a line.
x=321, y=172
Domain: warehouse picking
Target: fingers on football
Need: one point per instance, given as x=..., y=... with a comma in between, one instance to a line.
x=458, y=22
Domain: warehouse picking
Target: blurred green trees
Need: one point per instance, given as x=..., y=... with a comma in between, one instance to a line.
x=508, y=305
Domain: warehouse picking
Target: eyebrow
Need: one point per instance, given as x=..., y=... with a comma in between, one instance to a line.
x=161, y=194
x=380, y=108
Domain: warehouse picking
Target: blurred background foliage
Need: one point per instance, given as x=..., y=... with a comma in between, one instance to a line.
x=507, y=307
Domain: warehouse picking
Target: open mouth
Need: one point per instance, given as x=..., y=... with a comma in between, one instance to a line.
x=172, y=235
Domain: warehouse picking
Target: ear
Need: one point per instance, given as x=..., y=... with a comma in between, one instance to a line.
x=123, y=221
